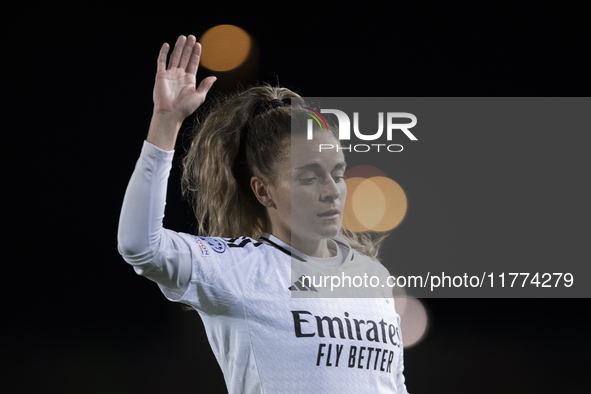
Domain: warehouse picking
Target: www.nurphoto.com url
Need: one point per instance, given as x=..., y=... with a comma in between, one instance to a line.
x=504, y=279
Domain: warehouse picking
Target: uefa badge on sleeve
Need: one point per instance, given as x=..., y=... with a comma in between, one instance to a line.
x=205, y=251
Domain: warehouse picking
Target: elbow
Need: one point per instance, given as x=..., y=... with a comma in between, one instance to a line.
x=130, y=245
x=133, y=254
x=136, y=246
x=125, y=247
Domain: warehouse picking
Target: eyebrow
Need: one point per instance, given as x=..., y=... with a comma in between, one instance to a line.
x=316, y=166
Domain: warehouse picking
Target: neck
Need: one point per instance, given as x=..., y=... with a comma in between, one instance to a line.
x=310, y=247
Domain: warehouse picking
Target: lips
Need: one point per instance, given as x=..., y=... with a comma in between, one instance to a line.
x=330, y=212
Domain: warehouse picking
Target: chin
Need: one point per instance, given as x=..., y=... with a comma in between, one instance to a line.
x=330, y=232
x=319, y=233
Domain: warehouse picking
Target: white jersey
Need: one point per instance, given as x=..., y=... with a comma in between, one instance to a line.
x=270, y=332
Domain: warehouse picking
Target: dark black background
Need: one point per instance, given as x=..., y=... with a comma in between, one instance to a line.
x=78, y=84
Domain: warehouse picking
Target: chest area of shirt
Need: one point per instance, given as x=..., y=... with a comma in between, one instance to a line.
x=360, y=334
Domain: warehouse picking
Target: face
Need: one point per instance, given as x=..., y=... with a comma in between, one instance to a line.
x=310, y=191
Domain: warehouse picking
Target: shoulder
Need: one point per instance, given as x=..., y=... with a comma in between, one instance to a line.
x=224, y=263
x=241, y=242
x=224, y=246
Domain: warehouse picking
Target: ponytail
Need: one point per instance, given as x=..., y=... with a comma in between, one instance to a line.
x=236, y=138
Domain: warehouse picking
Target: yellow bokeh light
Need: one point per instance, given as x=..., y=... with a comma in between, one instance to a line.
x=225, y=47
x=373, y=204
x=396, y=204
x=350, y=221
x=369, y=203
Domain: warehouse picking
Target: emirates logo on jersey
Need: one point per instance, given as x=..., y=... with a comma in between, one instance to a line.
x=299, y=286
x=375, y=348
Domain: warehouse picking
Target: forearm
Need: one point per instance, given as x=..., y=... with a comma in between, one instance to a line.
x=155, y=252
x=140, y=223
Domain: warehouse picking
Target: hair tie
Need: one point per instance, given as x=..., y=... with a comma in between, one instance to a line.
x=277, y=103
x=265, y=106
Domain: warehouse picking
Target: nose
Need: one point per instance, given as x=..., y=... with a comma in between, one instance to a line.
x=331, y=190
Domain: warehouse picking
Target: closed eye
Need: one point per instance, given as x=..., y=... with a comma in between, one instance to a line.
x=307, y=181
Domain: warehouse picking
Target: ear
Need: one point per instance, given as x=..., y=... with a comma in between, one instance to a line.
x=260, y=187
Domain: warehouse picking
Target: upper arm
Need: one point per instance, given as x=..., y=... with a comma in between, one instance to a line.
x=208, y=273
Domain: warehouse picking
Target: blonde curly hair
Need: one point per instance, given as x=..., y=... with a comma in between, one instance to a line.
x=238, y=136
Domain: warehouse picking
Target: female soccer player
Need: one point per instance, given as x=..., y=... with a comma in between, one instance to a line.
x=269, y=207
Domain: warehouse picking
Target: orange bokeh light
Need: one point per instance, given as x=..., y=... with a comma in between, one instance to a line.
x=350, y=221
x=225, y=47
x=376, y=203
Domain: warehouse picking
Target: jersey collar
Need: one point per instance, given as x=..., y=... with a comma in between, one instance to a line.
x=293, y=252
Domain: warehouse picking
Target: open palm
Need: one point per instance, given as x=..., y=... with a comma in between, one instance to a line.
x=175, y=91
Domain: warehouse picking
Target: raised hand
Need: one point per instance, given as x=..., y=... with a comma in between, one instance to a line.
x=175, y=94
x=175, y=91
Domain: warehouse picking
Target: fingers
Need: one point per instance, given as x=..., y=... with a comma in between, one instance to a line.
x=186, y=54
x=187, y=51
x=177, y=52
x=194, y=60
x=162, y=57
x=205, y=85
